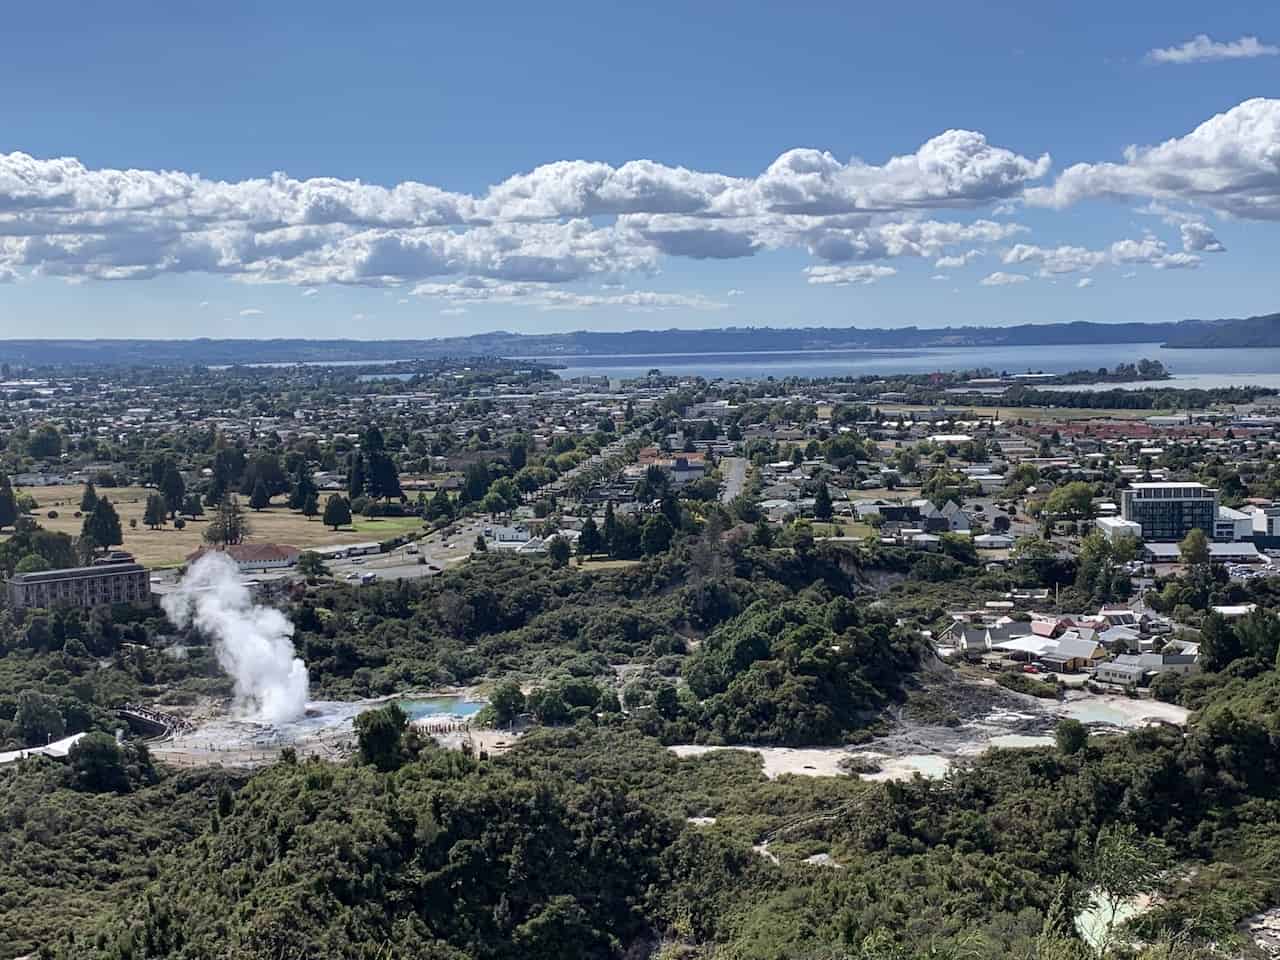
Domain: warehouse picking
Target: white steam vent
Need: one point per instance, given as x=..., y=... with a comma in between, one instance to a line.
x=252, y=642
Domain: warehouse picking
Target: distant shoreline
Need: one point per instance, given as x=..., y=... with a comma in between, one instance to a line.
x=1249, y=333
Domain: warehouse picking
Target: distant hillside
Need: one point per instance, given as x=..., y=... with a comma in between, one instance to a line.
x=1249, y=332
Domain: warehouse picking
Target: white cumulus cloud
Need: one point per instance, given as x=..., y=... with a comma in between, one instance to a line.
x=1197, y=236
x=1201, y=49
x=955, y=261
x=1230, y=163
x=1002, y=279
x=863, y=274
x=539, y=234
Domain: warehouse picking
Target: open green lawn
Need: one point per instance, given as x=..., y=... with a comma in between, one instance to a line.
x=849, y=528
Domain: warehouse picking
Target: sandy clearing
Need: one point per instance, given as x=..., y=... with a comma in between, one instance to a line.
x=804, y=761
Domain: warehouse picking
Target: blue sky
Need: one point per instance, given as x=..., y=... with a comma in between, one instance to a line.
x=646, y=143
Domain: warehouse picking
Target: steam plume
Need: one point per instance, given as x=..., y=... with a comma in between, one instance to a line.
x=252, y=642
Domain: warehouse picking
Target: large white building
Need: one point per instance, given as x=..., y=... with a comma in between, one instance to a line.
x=1266, y=521
x=1232, y=526
x=1115, y=528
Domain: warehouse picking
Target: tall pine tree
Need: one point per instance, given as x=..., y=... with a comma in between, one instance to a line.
x=356, y=477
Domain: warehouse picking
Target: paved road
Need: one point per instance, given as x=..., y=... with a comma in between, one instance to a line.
x=735, y=477
x=438, y=550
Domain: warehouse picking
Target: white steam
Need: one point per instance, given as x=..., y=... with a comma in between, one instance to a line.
x=252, y=642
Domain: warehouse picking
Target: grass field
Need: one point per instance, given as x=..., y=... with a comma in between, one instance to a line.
x=849, y=528
x=594, y=564
x=168, y=547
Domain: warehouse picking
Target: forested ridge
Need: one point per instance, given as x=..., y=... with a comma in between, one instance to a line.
x=1243, y=332
x=579, y=844
x=591, y=839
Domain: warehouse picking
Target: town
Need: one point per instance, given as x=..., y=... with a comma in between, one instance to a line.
x=877, y=578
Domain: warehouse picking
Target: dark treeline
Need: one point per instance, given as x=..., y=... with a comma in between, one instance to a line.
x=578, y=844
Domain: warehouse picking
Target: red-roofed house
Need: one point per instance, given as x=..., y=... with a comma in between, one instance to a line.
x=254, y=556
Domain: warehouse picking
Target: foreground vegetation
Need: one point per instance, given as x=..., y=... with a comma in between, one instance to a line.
x=579, y=844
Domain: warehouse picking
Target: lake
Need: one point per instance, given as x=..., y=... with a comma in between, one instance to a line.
x=1191, y=368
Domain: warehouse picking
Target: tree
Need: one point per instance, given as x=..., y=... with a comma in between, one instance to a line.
x=260, y=497
x=558, y=551
x=355, y=476
x=192, y=506
x=665, y=702
x=441, y=506
x=373, y=440
x=1123, y=864
x=762, y=535
x=229, y=525
x=1258, y=633
x=89, y=499
x=172, y=488
x=32, y=563
x=475, y=482
x=610, y=529
x=311, y=506
x=337, y=511
x=45, y=443
x=653, y=485
x=1098, y=573
x=481, y=545
x=1194, y=550
x=103, y=525
x=264, y=468
x=802, y=537
x=383, y=478
x=303, y=487
x=38, y=719
x=1071, y=500
x=822, y=508
x=1060, y=918
x=154, y=514
x=380, y=734
x=98, y=764
x=1071, y=736
x=311, y=565
x=548, y=706
x=8, y=505
x=655, y=537
x=589, y=540
x=507, y=701
x=1219, y=645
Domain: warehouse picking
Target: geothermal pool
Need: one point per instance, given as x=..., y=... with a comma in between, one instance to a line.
x=326, y=728
x=421, y=708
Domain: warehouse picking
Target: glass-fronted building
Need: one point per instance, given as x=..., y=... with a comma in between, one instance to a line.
x=1169, y=511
